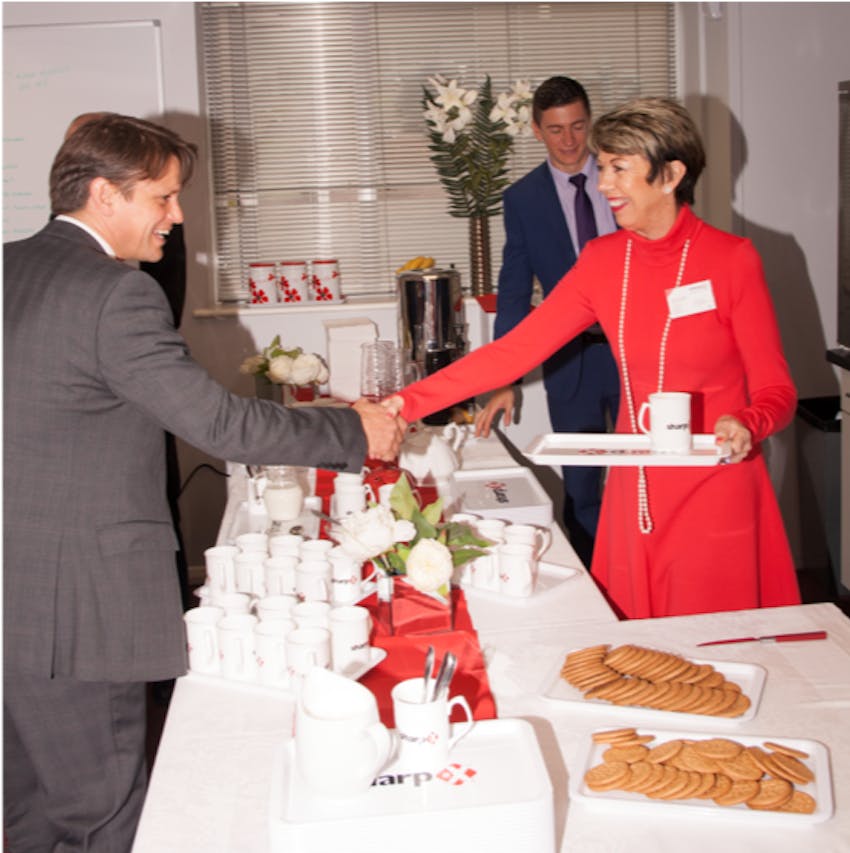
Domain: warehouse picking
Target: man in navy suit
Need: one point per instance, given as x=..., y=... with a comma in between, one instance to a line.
x=581, y=380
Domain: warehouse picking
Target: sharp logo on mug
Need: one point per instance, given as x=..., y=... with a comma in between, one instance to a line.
x=456, y=774
x=499, y=491
x=452, y=774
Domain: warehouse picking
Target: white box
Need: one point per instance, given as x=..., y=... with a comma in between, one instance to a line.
x=511, y=494
x=345, y=337
x=494, y=796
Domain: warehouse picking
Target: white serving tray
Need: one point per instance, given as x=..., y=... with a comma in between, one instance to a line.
x=607, y=449
x=496, y=791
x=511, y=494
x=376, y=655
x=550, y=579
x=634, y=803
x=749, y=676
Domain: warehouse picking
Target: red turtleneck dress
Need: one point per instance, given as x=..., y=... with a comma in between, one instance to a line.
x=718, y=541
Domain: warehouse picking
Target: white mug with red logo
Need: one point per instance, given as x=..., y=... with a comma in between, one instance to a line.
x=425, y=738
x=262, y=283
x=669, y=427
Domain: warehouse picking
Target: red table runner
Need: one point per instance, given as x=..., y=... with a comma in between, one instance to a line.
x=418, y=622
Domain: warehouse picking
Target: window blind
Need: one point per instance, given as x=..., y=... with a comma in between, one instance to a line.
x=317, y=140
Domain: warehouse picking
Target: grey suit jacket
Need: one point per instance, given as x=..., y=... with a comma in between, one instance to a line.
x=94, y=374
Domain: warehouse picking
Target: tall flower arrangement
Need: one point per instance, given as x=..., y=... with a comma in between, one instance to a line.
x=471, y=135
x=405, y=540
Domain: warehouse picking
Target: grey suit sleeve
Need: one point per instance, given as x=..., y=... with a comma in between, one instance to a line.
x=145, y=361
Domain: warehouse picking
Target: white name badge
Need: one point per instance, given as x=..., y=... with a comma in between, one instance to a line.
x=691, y=299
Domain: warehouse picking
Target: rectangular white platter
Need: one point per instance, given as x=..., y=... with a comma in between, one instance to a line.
x=749, y=676
x=550, y=579
x=607, y=449
x=639, y=804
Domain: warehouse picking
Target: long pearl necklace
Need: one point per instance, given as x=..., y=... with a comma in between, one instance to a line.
x=644, y=517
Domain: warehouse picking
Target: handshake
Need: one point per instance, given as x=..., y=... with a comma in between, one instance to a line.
x=383, y=425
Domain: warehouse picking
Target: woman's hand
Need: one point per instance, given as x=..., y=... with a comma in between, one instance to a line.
x=502, y=399
x=393, y=405
x=730, y=430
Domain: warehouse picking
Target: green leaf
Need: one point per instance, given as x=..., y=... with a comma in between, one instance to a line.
x=464, y=555
x=424, y=528
x=433, y=511
x=402, y=501
x=397, y=564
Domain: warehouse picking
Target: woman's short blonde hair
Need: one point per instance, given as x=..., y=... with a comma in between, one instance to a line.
x=659, y=129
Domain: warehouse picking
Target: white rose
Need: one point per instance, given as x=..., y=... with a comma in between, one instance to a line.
x=429, y=565
x=305, y=369
x=403, y=530
x=367, y=533
x=280, y=369
x=252, y=364
x=324, y=374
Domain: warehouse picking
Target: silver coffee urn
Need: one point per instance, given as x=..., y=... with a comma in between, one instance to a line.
x=431, y=323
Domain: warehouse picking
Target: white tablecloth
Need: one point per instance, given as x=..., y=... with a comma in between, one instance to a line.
x=209, y=789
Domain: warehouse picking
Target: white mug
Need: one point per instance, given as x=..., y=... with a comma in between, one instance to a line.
x=220, y=569
x=669, y=427
x=253, y=542
x=250, y=572
x=425, y=740
x=307, y=648
x=275, y=607
x=279, y=575
x=270, y=652
x=236, y=646
x=315, y=549
x=285, y=545
x=311, y=614
x=293, y=282
x=346, y=583
x=202, y=638
x=313, y=581
x=350, y=628
x=340, y=743
x=349, y=499
x=517, y=570
x=231, y=602
x=540, y=538
x=484, y=571
x=490, y=528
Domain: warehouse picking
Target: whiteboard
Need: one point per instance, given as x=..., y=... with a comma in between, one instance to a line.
x=51, y=74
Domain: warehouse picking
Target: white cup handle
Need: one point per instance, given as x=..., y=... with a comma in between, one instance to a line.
x=461, y=729
x=644, y=407
x=384, y=745
x=454, y=435
x=545, y=535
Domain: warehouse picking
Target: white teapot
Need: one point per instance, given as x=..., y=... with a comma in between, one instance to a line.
x=431, y=457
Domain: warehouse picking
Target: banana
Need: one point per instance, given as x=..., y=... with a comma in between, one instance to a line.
x=420, y=262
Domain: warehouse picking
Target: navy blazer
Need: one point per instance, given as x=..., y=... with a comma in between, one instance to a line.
x=537, y=244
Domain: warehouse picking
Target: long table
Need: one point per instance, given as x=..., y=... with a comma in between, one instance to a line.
x=209, y=789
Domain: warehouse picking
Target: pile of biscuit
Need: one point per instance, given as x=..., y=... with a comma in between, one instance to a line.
x=633, y=675
x=718, y=769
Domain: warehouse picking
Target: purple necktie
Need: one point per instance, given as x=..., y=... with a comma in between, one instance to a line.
x=585, y=220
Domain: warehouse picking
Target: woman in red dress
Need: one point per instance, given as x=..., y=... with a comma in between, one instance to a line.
x=671, y=541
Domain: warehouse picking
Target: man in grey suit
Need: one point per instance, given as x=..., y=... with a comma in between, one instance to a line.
x=95, y=372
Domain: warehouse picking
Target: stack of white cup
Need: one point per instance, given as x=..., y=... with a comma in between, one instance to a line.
x=273, y=607
x=511, y=564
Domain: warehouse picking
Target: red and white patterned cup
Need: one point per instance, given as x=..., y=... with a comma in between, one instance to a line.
x=262, y=279
x=292, y=282
x=326, y=281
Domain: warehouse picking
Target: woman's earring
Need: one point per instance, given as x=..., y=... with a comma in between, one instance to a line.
x=667, y=190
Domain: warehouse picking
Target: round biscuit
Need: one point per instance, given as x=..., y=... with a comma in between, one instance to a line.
x=606, y=776
x=772, y=794
x=639, y=774
x=709, y=780
x=629, y=754
x=613, y=735
x=741, y=768
x=740, y=792
x=664, y=751
x=790, y=768
x=785, y=749
x=718, y=747
x=740, y=706
x=800, y=803
x=722, y=785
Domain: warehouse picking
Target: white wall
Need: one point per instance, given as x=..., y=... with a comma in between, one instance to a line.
x=761, y=76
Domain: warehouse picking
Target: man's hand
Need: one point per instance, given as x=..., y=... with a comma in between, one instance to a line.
x=730, y=429
x=384, y=431
x=502, y=399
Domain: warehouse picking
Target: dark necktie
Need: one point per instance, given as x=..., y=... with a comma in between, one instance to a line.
x=585, y=220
